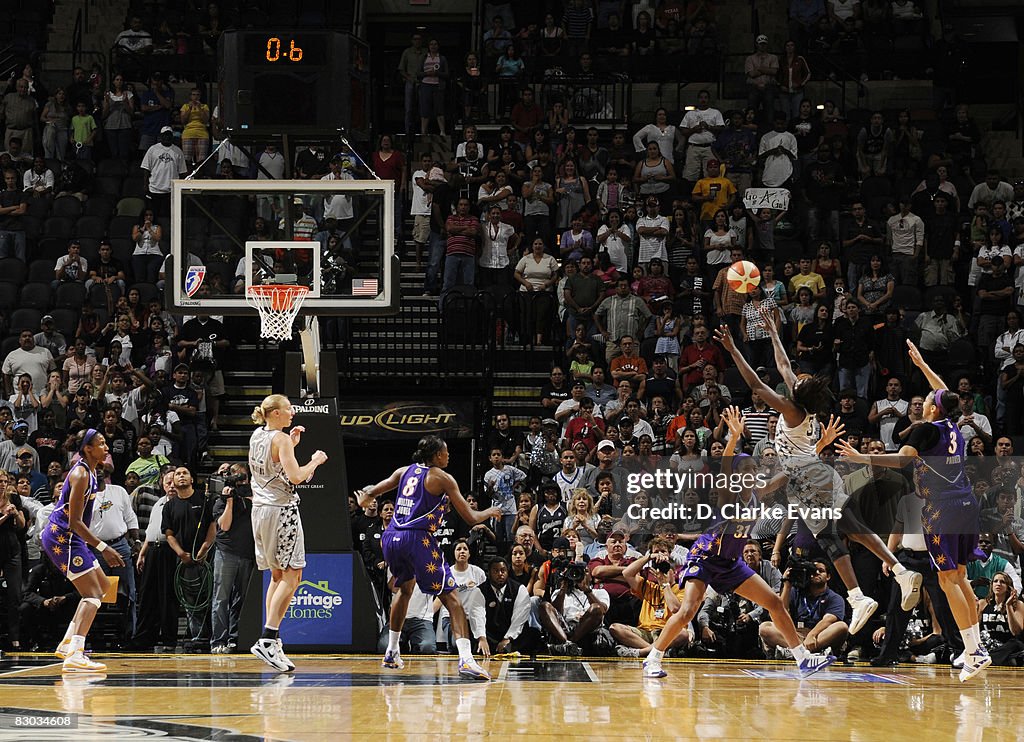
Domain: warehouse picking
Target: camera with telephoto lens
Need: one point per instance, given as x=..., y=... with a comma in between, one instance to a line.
x=236, y=482
x=568, y=570
x=800, y=571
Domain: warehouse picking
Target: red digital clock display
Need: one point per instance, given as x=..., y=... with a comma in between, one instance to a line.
x=284, y=50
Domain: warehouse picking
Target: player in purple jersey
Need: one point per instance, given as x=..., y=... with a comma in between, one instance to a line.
x=425, y=491
x=66, y=540
x=814, y=486
x=950, y=518
x=716, y=560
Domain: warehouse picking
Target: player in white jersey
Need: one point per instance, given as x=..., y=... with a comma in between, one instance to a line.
x=814, y=487
x=276, y=527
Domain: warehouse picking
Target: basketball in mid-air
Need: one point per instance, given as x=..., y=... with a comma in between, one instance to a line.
x=743, y=276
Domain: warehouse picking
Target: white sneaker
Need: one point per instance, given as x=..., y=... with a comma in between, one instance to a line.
x=910, y=586
x=863, y=609
x=79, y=663
x=783, y=653
x=269, y=651
x=958, y=663
x=63, y=650
x=624, y=651
x=283, y=657
x=926, y=659
x=974, y=663
x=652, y=669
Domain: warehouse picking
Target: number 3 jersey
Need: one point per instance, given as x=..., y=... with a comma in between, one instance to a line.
x=939, y=472
x=416, y=509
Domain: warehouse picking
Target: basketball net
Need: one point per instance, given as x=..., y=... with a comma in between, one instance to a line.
x=278, y=306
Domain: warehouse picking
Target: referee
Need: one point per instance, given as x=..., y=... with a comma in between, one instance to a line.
x=114, y=522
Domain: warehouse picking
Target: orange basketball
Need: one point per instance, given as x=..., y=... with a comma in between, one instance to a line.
x=743, y=276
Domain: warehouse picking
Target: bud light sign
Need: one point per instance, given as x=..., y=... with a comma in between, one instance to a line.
x=321, y=610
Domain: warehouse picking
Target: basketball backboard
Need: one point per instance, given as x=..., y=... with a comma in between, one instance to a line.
x=334, y=236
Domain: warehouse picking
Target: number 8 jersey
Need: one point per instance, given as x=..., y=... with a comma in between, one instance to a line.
x=416, y=509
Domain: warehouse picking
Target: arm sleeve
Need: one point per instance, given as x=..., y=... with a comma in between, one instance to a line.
x=923, y=437
x=520, y=613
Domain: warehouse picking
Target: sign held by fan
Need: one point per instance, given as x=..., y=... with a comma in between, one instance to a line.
x=766, y=198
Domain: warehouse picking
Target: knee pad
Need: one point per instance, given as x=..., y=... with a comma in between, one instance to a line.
x=832, y=544
x=93, y=601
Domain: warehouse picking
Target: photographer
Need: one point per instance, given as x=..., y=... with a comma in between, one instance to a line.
x=567, y=607
x=815, y=609
x=653, y=578
x=235, y=556
x=726, y=628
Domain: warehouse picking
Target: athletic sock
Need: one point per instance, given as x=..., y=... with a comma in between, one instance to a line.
x=465, y=649
x=77, y=644
x=976, y=635
x=800, y=652
x=855, y=594
x=898, y=569
x=69, y=633
x=655, y=655
x=269, y=633
x=394, y=641
x=970, y=643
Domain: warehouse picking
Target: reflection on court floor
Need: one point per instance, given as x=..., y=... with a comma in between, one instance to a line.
x=179, y=697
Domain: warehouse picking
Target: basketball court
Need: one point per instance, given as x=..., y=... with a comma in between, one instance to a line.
x=182, y=697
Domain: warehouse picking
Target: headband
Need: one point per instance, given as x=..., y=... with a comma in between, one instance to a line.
x=938, y=398
x=89, y=435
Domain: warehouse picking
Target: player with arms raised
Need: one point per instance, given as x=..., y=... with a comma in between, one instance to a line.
x=950, y=516
x=425, y=492
x=276, y=526
x=814, y=486
x=66, y=540
x=716, y=559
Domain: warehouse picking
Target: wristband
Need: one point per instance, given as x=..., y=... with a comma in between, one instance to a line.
x=101, y=546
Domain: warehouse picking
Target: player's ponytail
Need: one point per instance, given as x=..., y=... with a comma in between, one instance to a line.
x=262, y=411
x=428, y=447
x=948, y=403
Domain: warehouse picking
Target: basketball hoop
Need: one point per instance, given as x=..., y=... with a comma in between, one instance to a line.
x=277, y=304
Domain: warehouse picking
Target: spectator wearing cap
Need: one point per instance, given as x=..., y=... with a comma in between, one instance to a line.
x=570, y=613
x=161, y=165
x=25, y=402
x=713, y=192
x=585, y=426
x=761, y=69
x=27, y=358
x=606, y=572
x=71, y=268
x=27, y=465
x=48, y=337
x=17, y=441
x=183, y=401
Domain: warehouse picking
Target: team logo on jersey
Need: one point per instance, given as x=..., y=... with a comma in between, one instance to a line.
x=77, y=561
x=194, y=279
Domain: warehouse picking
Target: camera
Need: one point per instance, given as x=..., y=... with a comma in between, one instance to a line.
x=568, y=570
x=237, y=482
x=800, y=571
x=663, y=566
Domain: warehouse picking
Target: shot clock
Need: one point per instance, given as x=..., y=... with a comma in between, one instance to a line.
x=294, y=79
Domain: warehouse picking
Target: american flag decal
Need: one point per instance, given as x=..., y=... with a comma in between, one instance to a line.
x=364, y=287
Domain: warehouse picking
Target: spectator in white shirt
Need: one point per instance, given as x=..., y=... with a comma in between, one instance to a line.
x=778, y=151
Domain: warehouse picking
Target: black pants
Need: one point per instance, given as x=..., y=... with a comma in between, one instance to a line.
x=158, y=604
x=11, y=567
x=896, y=619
